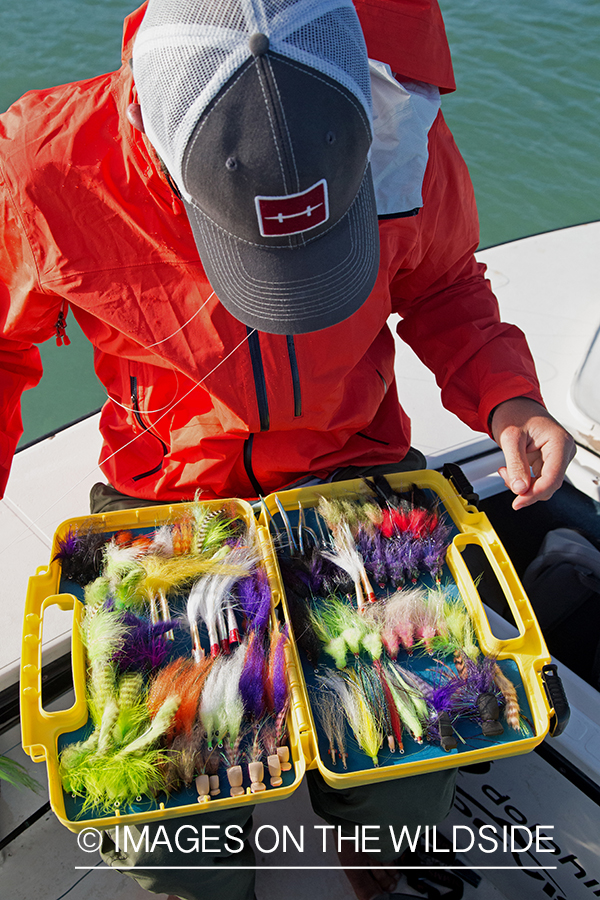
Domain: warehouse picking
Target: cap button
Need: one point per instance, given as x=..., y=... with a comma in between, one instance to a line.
x=259, y=44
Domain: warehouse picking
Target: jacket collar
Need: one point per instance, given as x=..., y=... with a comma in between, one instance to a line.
x=126, y=93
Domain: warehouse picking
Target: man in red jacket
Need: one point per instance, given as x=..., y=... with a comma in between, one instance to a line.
x=227, y=222
x=201, y=397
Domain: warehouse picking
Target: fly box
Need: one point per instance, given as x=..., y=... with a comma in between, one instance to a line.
x=405, y=629
x=156, y=595
x=204, y=640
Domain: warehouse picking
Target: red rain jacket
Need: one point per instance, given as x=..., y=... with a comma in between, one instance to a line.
x=88, y=221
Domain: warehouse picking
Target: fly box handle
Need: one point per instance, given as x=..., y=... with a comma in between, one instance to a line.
x=39, y=727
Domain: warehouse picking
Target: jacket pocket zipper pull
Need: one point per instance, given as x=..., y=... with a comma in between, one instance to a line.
x=60, y=327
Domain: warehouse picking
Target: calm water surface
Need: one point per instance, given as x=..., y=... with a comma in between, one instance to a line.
x=525, y=115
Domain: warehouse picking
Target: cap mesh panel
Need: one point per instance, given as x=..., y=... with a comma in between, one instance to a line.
x=186, y=50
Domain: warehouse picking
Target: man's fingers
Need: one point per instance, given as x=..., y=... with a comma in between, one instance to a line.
x=522, y=499
x=553, y=460
x=548, y=466
x=536, y=462
x=530, y=437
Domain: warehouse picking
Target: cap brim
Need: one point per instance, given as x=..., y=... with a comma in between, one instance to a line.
x=294, y=290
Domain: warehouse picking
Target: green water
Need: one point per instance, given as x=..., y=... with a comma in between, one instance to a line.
x=526, y=114
x=43, y=43
x=526, y=117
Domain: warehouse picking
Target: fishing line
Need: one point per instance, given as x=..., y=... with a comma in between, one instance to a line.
x=146, y=411
x=173, y=402
x=129, y=443
x=173, y=369
x=183, y=397
x=199, y=310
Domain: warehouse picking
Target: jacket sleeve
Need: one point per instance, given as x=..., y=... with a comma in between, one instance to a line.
x=26, y=317
x=449, y=314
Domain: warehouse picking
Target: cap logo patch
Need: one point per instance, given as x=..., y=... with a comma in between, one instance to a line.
x=293, y=213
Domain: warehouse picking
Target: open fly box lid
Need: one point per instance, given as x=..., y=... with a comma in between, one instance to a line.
x=45, y=734
x=520, y=659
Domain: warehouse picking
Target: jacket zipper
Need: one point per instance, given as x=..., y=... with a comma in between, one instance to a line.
x=60, y=326
x=138, y=417
x=291, y=347
x=258, y=489
x=260, y=386
x=260, y=383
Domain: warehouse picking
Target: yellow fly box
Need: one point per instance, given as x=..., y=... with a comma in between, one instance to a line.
x=520, y=659
x=277, y=536
x=46, y=734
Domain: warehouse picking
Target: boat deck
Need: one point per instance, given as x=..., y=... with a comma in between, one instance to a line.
x=553, y=273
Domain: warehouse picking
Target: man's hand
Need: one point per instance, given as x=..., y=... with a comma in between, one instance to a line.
x=530, y=437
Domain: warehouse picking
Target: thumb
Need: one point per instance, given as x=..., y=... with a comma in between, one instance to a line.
x=516, y=473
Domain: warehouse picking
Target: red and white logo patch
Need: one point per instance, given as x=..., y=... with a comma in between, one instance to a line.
x=293, y=213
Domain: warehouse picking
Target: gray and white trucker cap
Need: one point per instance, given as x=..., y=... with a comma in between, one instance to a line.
x=261, y=112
